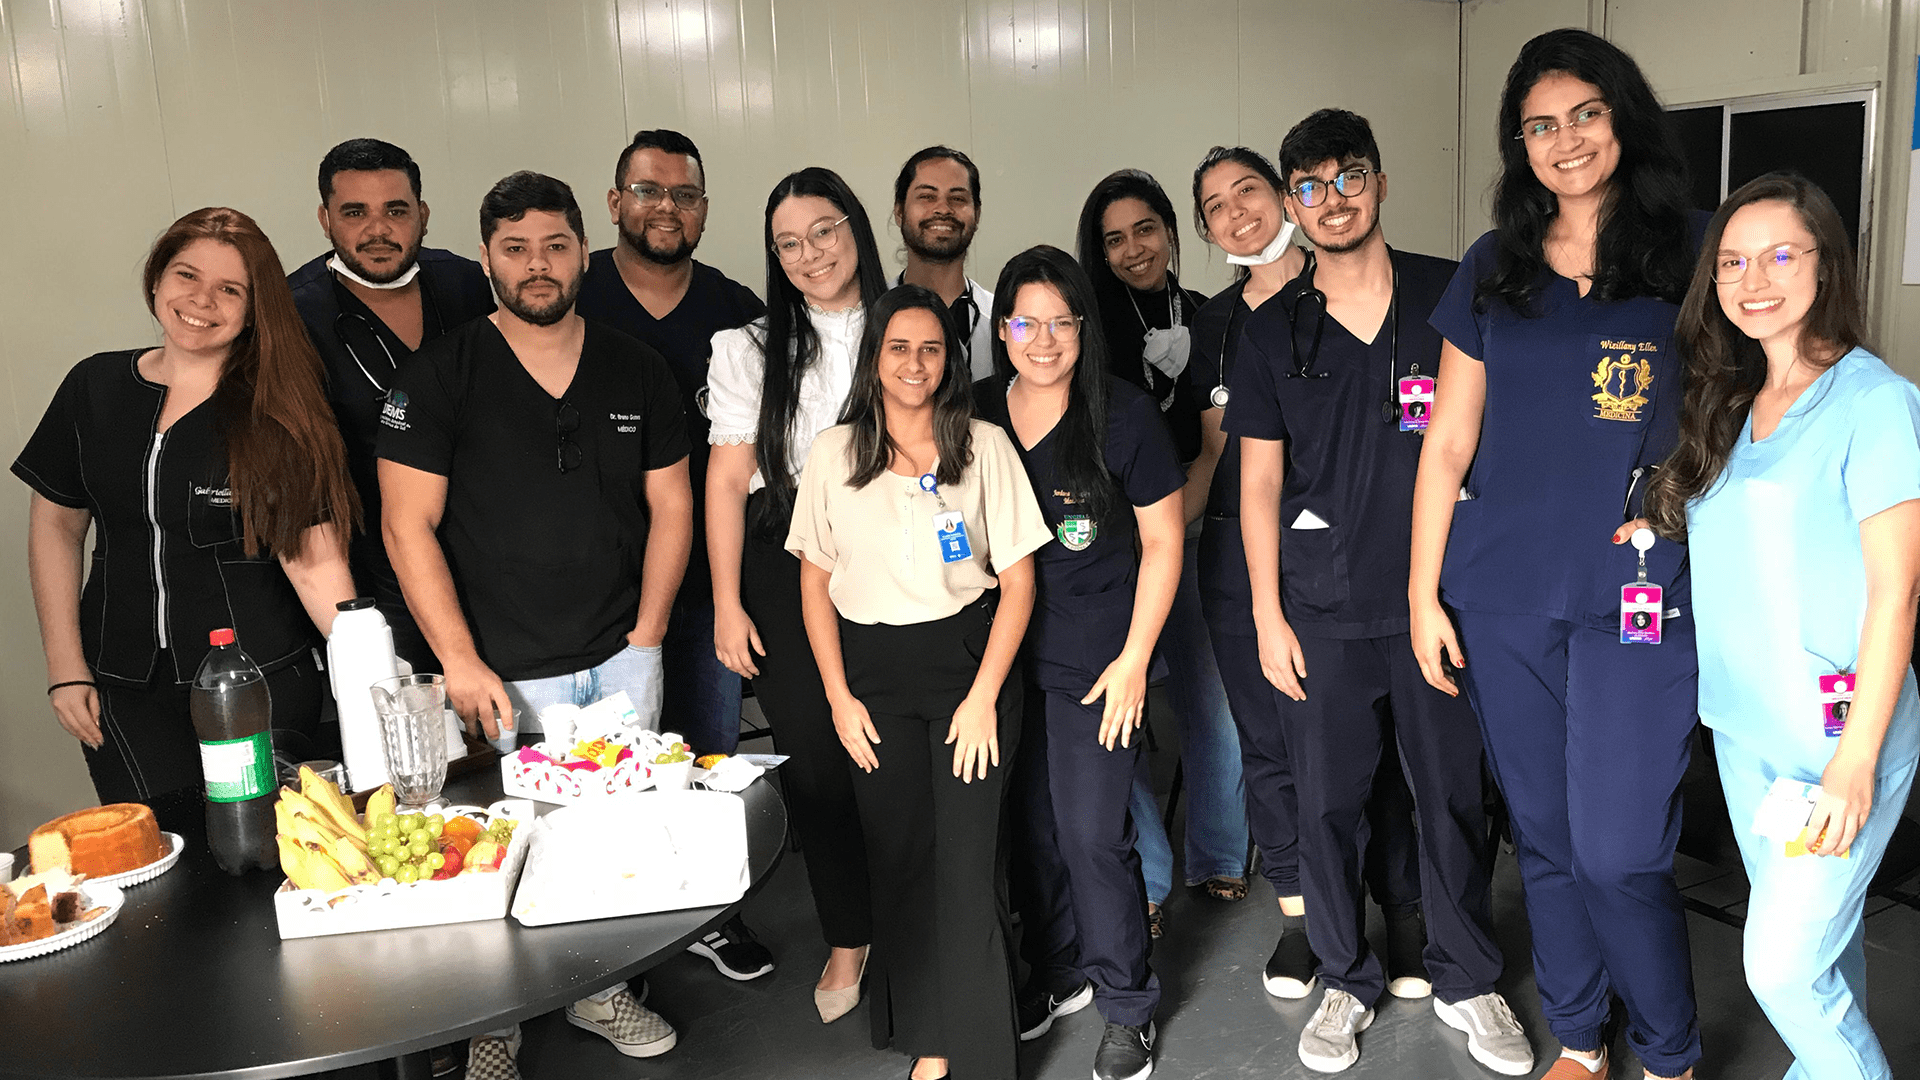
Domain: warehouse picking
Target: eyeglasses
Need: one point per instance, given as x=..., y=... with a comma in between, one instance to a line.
x=1024, y=328
x=1542, y=129
x=686, y=198
x=822, y=236
x=1313, y=191
x=566, y=421
x=1780, y=264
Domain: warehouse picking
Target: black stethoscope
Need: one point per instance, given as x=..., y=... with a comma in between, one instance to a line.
x=1219, y=395
x=1303, y=368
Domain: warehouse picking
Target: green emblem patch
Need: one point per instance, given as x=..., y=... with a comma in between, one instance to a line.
x=1076, y=532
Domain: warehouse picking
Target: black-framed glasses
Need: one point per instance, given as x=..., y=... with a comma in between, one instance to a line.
x=1778, y=264
x=1024, y=328
x=566, y=421
x=1349, y=182
x=1542, y=129
x=822, y=235
x=686, y=198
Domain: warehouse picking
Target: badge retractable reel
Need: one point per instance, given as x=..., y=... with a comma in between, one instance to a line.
x=1640, y=600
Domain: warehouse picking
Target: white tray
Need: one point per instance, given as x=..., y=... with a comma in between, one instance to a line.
x=148, y=872
x=97, y=895
x=606, y=858
x=390, y=905
x=549, y=783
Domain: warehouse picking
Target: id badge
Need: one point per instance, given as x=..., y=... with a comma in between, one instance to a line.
x=1836, y=700
x=1640, y=613
x=950, y=529
x=1416, y=402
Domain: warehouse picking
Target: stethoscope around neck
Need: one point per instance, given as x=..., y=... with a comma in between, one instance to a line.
x=1303, y=367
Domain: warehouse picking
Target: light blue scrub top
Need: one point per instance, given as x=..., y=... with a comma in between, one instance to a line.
x=1779, y=582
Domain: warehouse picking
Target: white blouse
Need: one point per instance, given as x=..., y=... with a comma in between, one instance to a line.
x=734, y=379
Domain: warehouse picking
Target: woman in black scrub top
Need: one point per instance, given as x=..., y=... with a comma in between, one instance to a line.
x=1105, y=472
x=916, y=639
x=1558, y=384
x=1129, y=245
x=215, y=477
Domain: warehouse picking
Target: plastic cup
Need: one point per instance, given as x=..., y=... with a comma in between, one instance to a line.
x=672, y=776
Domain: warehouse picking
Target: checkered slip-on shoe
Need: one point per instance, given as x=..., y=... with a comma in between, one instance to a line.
x=632, y=1028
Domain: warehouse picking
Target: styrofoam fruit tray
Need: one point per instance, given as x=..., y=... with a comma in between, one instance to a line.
x=97, y=894
x=552, y=782
x=389, y=905
x=148, y=872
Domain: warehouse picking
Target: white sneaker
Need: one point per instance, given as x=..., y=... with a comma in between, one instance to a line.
x=1494, y=1037
x=1328, y=1042
x=632, y=1028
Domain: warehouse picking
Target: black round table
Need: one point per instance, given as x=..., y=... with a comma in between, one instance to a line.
x=193, y=980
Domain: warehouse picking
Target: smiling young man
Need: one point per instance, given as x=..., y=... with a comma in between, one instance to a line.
x=534, y=474
x=936, y=205
x=368, y=303
x=1330, y=443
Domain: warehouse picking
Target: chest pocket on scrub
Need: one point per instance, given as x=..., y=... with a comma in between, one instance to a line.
x=1313, y=569
x=212, y=519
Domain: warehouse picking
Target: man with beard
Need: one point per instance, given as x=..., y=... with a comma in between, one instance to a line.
x=1329, y=447
x=533, y=467
x=936, y=204
x=368, y=304
x=649, y=286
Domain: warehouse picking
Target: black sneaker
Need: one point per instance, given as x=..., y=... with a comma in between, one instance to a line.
x=1126, y=1053
x=1039, y=1011
x=735, y=951
x=1406, y=960
x=1290, y=970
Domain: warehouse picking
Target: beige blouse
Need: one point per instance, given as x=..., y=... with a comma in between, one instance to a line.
x=880, y=544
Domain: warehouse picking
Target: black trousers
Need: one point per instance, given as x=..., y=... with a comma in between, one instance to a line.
x=940, y=977
x=151, y=755
x=1366, y=701
x=816, y=781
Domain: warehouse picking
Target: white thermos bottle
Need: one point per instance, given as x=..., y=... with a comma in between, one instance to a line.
x=359, y=654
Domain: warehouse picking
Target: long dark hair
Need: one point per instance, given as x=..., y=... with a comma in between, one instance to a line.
x=1080, y=440
x=1642, y=247
x=1090, y=240
x=1725, y=368
x=790, y=345
x=286, y=463
x=872, y=449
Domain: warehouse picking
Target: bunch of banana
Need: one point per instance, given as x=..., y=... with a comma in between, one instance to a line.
x=323, y=843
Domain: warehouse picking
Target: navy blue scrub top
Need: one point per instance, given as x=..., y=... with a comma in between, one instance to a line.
x=1578, y=396
x=1216, y=338
x=1346, y=465
x=1086, y=595
x=161, y=502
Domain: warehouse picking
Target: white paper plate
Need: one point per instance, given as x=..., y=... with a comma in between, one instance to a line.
x=97, y=895
x=148, y=872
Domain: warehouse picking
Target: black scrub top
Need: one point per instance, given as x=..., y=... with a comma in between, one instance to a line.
x=1346, y=504
x=714, y=302
x=1086, y=574
x=547, y=564
x=1216, y=340
x=1127, y=314
x=167, y=539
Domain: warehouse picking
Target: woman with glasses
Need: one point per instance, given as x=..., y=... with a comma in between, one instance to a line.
x=1558, y=384
x=1129, y=246
x=1103, y=466
x=916, y=528
x=216, y=482
x=772, y=387
x=1798, y=468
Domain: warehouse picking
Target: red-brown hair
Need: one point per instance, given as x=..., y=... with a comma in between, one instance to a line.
x=286, y=462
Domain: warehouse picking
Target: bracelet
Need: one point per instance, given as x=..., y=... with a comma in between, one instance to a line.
x=74, y=682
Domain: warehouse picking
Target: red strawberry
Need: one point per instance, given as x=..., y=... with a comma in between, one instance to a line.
x=452, y=854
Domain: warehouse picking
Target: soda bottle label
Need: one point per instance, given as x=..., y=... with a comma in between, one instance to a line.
x=238, y=769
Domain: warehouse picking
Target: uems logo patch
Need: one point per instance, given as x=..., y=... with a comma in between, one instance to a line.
x=393, y=411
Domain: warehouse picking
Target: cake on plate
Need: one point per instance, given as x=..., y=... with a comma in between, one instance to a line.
x=99, y=841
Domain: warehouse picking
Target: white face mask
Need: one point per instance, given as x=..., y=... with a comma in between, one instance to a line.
x=1271, y=253
x=338, y=266
x=1167, y=350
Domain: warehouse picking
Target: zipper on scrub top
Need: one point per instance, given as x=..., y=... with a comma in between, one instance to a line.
x=153, y=522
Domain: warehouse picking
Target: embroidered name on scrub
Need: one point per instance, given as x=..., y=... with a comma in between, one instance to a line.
x=951, y=532
x=1622, y=378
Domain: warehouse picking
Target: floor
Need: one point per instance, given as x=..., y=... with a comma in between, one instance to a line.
x=1215, y=1020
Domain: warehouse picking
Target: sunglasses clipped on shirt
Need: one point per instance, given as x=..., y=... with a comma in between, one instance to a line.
x=566, y=421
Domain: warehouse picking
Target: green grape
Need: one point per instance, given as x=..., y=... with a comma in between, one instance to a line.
x=435, y=860
x=388, y=865
x=375, y=821
x=419, y=847
x=417, y=835
x=407, y=874
x=436, y=819
x=436, y=827
x=390, y=827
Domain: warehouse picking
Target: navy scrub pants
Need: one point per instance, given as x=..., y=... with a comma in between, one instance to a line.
x=1369, y=713
x=1083, y=902
x=1589, y=739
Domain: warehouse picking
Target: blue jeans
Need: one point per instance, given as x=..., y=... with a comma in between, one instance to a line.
x=1209, y=747
x=701, y=700
x=633, y=669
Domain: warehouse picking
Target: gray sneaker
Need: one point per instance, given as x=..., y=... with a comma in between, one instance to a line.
x=1494, y=1037
x=1327, y=1044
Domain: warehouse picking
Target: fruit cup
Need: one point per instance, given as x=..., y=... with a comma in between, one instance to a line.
x=671, y=776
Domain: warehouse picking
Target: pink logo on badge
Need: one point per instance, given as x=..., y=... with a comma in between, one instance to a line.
x=1836, y=700
x=1640, y=614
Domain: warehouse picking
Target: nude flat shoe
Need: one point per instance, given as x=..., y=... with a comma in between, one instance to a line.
x=834, y=1004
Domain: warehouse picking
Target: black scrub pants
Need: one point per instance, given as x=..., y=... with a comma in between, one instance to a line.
x=1083, y=903
x=151, y=755
x=816, y=781
x=1366, y=700
x=940, y=976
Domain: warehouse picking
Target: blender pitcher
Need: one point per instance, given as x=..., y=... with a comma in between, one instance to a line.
x=413, y=730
